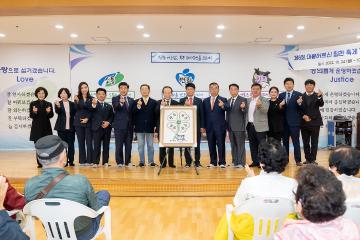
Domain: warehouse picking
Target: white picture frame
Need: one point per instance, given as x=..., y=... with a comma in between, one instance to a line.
x=178, y=126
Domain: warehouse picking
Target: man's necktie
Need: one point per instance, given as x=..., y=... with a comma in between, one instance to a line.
x=232, y=102
x=212, y=102
x=190, y=101
x=288, y=96
x=126, y=103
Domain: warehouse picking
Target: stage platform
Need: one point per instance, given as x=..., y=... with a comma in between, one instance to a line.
x=19, y=166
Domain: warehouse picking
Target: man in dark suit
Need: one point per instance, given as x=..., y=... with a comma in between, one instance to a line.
x=165, y=101
x=144, y=111
x=236, y=123
x=191, y=100
x=123, y=125
x=215, y=124
x=293, y=100
x=102, y=117
x=311, y=120
x=257, y=125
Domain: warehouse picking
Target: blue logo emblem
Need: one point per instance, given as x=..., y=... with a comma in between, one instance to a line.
x=111, y=79
x=185, y=77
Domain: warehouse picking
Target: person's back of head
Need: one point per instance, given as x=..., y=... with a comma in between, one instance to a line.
x=272, y=156
x=319, y=194
x=51, y=151
x=345, y=160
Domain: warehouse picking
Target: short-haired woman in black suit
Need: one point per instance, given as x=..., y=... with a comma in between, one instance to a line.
x=64, y=125
x=40, y=111
x=276, y=114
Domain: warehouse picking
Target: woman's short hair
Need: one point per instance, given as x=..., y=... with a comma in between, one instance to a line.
x=346, y=160
x=273, y=87
x=320, y=193
x=272, y=155
x=67, y=91
x=41, y=89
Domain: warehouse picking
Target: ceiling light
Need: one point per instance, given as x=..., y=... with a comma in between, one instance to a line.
x=358, y=36
x=74, y=35
x=58, y=26
x=140, y=26
x=146, y=35
x=289, y=36
x=300, y=27
x=218, y=35
x=2, y=35
x=221, y=27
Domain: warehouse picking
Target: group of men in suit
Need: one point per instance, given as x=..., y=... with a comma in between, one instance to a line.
x=215, y=116
x=142, y=116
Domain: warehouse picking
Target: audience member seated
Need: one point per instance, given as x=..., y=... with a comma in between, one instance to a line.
x=320, y=203
x=344, y=162
x=9, y=228
x=52, y=154
x=13, y=200
x=269, y=183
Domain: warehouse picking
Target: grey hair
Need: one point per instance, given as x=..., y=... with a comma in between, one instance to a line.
x=50, y=161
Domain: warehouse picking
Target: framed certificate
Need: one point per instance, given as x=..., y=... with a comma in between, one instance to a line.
x=178, y=126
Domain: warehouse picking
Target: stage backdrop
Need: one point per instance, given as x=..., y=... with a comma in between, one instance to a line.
x=157, y=65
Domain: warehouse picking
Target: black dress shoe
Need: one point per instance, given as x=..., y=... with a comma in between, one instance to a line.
x=141, y=165
x=198, y=165
x=254, y=165
x=72, y=165
x=299, y=164
x=163, y=166
x=152, y=164
x=172, y=166
x=39, y=166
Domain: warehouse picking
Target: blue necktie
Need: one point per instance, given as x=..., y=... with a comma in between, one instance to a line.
x=288, y=97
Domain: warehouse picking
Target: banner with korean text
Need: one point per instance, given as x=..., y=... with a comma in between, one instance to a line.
x=23, y=68
x=347, y=55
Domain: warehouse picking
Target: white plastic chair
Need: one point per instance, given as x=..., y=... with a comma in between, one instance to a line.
x=58, y=215
x=353, y=211
x=269, y=214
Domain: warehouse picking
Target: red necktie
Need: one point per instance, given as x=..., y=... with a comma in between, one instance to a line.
x=190, y=101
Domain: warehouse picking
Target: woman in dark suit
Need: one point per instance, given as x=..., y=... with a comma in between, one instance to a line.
x=276, y=114
x=64, y=125
x=40, y=111
x=82, y=124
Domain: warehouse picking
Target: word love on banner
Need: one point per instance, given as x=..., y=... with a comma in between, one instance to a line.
x=328, y=57
x=185, y=57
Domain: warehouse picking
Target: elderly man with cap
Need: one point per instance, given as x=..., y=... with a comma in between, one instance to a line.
x=51, y=152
